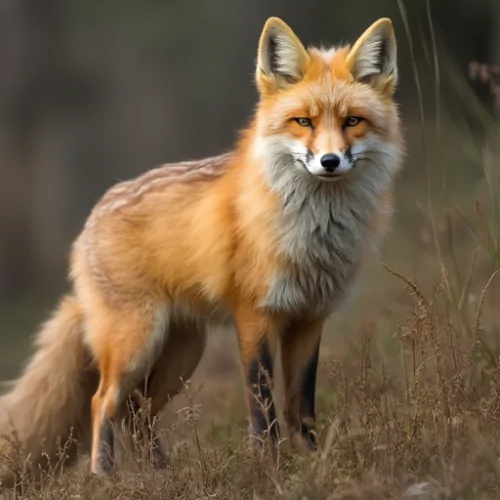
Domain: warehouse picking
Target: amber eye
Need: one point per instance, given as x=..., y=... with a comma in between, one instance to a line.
x=352, y=121
x=304, y=122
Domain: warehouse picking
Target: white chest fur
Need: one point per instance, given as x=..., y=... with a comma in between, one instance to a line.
x=324, y=233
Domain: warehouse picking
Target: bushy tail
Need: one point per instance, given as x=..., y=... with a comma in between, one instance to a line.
x=53, y=394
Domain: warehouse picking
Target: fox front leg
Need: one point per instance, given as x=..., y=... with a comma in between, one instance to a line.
x=299, y=359
x=257, y=337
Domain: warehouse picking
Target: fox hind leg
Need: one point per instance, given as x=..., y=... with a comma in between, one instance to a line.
x=180, y=357
x=142, y=423
x=126, y=346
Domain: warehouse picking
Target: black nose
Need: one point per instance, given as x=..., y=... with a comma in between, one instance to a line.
x=330, y=162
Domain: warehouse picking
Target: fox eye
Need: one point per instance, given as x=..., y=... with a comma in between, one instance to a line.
x=304, y=122
x=352, y=121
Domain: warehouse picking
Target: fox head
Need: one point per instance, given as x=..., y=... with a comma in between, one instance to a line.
x=327, y=114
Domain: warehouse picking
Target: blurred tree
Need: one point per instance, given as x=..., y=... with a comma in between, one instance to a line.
x=30, y=43
x=495, y=41
x=495, y=32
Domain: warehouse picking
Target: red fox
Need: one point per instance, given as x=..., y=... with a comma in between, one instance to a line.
x=271, y=235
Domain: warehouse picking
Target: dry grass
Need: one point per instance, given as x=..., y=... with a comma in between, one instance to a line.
x=424, y=424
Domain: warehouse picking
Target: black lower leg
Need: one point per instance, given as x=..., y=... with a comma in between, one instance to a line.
x=142, y=425
x=106, y=451
x=262, y=410
x=307, y=399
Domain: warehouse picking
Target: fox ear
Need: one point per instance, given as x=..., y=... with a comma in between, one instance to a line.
x=373, y=58
x=282, y=59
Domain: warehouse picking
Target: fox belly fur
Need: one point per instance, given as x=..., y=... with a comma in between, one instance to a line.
x=272, y=235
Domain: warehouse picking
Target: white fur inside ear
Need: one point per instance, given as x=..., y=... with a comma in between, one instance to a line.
x=374, y=54
x=282, y=54
x=287, y=58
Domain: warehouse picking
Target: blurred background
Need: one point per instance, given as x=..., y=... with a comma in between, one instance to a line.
x=95, y=92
